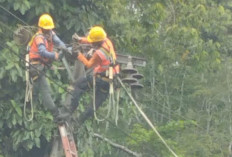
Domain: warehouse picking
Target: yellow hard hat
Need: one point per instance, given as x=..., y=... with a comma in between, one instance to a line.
x=96, y=34
x=46, y=22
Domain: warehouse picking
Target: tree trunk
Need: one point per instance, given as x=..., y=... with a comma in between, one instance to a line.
x=78, y=71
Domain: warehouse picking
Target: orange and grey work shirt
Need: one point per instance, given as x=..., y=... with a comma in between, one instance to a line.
x=100, y=60
x=42, y=48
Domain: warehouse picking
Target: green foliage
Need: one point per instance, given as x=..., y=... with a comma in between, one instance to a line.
x=147, y=137
x=29, y=134
x=22, y=6
x=187, y=87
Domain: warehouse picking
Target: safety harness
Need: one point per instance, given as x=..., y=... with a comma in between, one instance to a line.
x=31, y=41
x=109, y=77
x=28, y=101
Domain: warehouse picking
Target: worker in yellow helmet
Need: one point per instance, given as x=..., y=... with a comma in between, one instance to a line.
x=103, y=57
x=41, y=55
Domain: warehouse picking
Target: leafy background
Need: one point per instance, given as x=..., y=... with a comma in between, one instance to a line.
x=186, y=94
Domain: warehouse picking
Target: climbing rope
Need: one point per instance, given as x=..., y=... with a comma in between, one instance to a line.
x=117, y=105
x=94, y=103
x=146, y=118
x=111, y=98
x=111, y=94
x=28, y=94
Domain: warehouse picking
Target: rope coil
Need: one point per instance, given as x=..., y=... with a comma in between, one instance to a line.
x=28, y=94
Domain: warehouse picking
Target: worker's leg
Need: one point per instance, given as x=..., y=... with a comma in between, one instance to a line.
x=83, y=84
x=40, y=85
x=101, y=93
x=36, y=70
x=45, y=91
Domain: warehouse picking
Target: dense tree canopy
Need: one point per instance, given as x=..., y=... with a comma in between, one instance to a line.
x=186, y=94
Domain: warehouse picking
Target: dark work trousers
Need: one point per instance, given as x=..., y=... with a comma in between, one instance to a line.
x=41, y=86
x=84, y=84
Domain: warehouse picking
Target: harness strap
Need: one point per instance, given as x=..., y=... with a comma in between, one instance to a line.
x=103, y=78
x=107, y=55
x=111, y=52
x=32, y=39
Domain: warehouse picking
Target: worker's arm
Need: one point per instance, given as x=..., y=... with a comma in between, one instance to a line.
x=94, y=61
x=79, y=39
x=84, y=40
x=42, y=49
x=56, y=40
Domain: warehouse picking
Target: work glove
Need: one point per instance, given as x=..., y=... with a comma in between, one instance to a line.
x=89, y=54
x=61, y=55
x=75, y=48
x=64, y=49
x=75, y=37
x=75, y=54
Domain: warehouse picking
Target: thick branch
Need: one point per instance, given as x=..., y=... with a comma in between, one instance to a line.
x=117, y=145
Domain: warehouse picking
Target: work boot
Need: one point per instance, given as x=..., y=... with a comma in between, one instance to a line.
x=60, y=116
x=69, y=109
